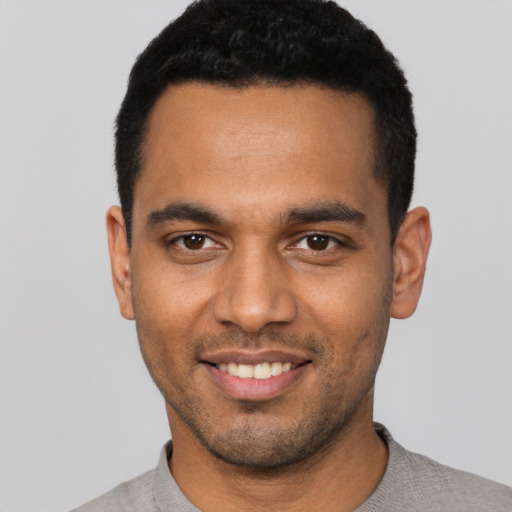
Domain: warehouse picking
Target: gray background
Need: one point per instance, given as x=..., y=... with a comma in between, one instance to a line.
x=78, y=412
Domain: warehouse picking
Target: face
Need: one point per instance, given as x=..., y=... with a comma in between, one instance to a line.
x=261, y=271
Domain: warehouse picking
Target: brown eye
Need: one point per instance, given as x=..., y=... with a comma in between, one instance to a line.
x=317, y=242
x=194, y=241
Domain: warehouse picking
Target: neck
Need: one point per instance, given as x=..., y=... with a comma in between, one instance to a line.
x=340, y=477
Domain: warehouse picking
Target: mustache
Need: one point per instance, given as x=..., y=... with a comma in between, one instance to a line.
x=271, y=339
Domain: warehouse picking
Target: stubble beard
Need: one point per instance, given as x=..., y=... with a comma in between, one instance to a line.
x=259, y=442
x=256, y=443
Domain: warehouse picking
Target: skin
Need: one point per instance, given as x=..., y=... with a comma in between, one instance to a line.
x=255, y=279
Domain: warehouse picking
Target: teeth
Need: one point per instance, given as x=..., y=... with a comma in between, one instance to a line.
x=258, y=371
x=276, y=369
x=246, y=371
x=262, y=371
x=233, y=369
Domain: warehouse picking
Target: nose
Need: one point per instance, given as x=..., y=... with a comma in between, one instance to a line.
x=255, y=293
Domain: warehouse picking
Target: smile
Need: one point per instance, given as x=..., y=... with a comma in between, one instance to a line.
x=260, y=371
x=257, y=380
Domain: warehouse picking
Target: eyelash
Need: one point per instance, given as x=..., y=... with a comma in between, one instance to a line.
x=330, y=241
x=175, y=240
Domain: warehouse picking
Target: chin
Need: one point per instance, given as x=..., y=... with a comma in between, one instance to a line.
x=263, y=447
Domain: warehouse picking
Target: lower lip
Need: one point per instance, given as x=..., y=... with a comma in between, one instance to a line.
x=255, y=389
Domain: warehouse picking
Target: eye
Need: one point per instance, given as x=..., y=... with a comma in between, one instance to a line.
x=317, y=242
x=193, y=242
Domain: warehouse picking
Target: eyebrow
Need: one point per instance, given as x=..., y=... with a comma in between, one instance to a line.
x=321, y=212
x=183, y=211
x=325, y=212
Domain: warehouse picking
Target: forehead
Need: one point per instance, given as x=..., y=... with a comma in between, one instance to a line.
x=258, y=147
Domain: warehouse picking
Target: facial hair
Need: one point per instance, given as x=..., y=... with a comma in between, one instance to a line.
x=259, y=438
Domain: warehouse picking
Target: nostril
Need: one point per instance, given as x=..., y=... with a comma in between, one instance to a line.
x=254, y=301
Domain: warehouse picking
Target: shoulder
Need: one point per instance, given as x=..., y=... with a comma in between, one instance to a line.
x=133, y=495
x=440, y=484
x=416, y=482
x=150, y=492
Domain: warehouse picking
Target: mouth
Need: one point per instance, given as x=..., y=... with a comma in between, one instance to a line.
x=246, y=376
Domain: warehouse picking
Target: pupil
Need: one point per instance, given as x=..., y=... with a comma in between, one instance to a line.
x=318, y=242
x=193, y=241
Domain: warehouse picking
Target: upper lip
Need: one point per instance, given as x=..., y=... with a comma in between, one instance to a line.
x=254, y=357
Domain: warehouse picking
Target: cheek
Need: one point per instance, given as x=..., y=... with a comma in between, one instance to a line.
x=168, y=315
x=350, y=311
x=348, y=298
x=168, y=298
x=162, y=335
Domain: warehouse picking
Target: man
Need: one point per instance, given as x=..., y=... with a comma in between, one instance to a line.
x=265, y=158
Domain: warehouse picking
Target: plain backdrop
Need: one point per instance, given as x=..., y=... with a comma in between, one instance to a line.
x=78, y=411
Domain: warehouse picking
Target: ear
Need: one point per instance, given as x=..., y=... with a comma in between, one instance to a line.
x=409, y=262
x=120, y=261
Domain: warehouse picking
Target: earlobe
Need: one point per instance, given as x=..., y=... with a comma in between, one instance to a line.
x=120, y=261
x=409, y=262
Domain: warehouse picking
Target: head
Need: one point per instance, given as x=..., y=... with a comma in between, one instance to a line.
x=265, y=168
x=239, y=43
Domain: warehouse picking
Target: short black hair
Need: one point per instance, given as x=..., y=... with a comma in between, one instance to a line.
x=239, y=43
